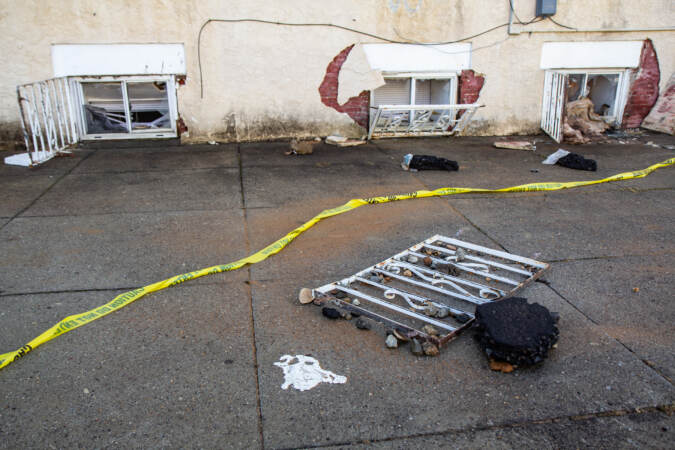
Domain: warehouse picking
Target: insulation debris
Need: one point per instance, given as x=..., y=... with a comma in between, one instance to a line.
x=582, y=124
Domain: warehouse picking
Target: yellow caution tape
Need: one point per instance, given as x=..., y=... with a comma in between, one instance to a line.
x=122, y=300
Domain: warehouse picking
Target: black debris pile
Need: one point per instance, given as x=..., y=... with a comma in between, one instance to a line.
x=428, y=162
x=576, y=161
x=515, y=331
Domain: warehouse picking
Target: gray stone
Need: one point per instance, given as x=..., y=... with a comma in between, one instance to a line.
x=391, y=341
x=416, y=347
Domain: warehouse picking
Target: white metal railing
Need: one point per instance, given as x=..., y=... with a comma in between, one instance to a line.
x=420, y=120
x=48, y=119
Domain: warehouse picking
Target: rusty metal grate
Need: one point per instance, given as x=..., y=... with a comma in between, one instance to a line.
x=429, y=291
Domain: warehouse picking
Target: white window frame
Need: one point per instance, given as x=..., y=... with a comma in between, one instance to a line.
x=413, y=76
x=621, y=91
x=170, y=81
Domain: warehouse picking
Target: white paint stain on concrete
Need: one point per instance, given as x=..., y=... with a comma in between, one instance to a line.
x=304, y=373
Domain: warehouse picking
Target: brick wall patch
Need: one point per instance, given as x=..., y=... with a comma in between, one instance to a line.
x=645, y=89
x=356, y=107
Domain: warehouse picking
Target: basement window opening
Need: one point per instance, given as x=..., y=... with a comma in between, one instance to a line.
x=127, y=107
x=416, y=104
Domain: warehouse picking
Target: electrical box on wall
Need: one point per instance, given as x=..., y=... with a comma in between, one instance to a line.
x=545, y=8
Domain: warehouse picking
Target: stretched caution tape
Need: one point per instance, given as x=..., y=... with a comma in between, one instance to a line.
x=122, y=300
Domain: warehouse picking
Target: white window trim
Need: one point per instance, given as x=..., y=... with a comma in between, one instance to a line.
x=137, y=134
x=621, y=92
x=414, y=76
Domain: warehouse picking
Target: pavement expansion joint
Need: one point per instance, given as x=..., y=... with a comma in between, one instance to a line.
x=249, y=290
x=590, y=319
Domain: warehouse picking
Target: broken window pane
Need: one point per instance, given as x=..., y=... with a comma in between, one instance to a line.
x=149, y=105
x=104, y=108
x=602, y=92
x=575, y=83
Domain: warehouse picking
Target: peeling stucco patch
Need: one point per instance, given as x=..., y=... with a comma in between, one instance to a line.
x=356, y=75
x=356, y=107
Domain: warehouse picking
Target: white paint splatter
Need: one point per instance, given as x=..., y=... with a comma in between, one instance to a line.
x=304, y=373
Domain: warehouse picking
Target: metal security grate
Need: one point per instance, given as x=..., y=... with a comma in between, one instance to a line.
x=429, y=291
x=420, y=120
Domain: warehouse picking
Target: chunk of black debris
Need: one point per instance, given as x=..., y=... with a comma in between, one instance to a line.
x=362, y=324
x=331, y=313
x=515, y=331
x=462, y=317
x=428, y=162
x=576, y=161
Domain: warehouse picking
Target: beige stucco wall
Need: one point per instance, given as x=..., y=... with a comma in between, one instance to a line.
x=261, y=81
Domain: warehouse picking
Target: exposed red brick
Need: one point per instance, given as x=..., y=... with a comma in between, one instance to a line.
x=645, y=89
x=356, y=107
x=470, y=85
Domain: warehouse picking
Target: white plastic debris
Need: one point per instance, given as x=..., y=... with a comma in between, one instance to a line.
x=555, y=156
x=335, y=139
x=22, y=159
x=304, y=373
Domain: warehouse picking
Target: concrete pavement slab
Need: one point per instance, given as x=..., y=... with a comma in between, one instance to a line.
x=630, y=299
x=55, y=166
x=341, y=245
x=172, y=370
x=576, y=224
x=19, y=191
x=152, y=159
x=636, y=430
x=276, y=186
x=483, y=166
x=97, y=193
x=391, y=393
x=117, y=251
x=257, y=154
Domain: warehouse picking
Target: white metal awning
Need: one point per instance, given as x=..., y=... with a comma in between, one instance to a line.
x=395, y=58
x=590, y=55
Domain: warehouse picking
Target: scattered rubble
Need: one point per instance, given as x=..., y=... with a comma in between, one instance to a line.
x=304, y=147
x=362, y=324
x=416, y=347
x=305, y=296
x=342, y=141
x=516, y=145
x=330, y=313
x=430, y=349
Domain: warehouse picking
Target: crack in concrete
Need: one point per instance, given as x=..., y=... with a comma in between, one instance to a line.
x=596, y=323
x=49, y=188
x=249, y=291
x=658, y=410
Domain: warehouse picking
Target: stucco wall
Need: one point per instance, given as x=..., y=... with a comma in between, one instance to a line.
x=261, y=81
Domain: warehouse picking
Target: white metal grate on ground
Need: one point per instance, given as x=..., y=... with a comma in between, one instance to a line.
x=437, y=282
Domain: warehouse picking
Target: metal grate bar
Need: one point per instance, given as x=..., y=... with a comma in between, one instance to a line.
x=413, y=285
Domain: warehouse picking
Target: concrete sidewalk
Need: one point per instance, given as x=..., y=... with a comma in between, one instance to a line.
x=192, y=366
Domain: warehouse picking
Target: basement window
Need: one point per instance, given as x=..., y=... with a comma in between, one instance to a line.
x=416, y=104
x=415, y=90
x=127, y=107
